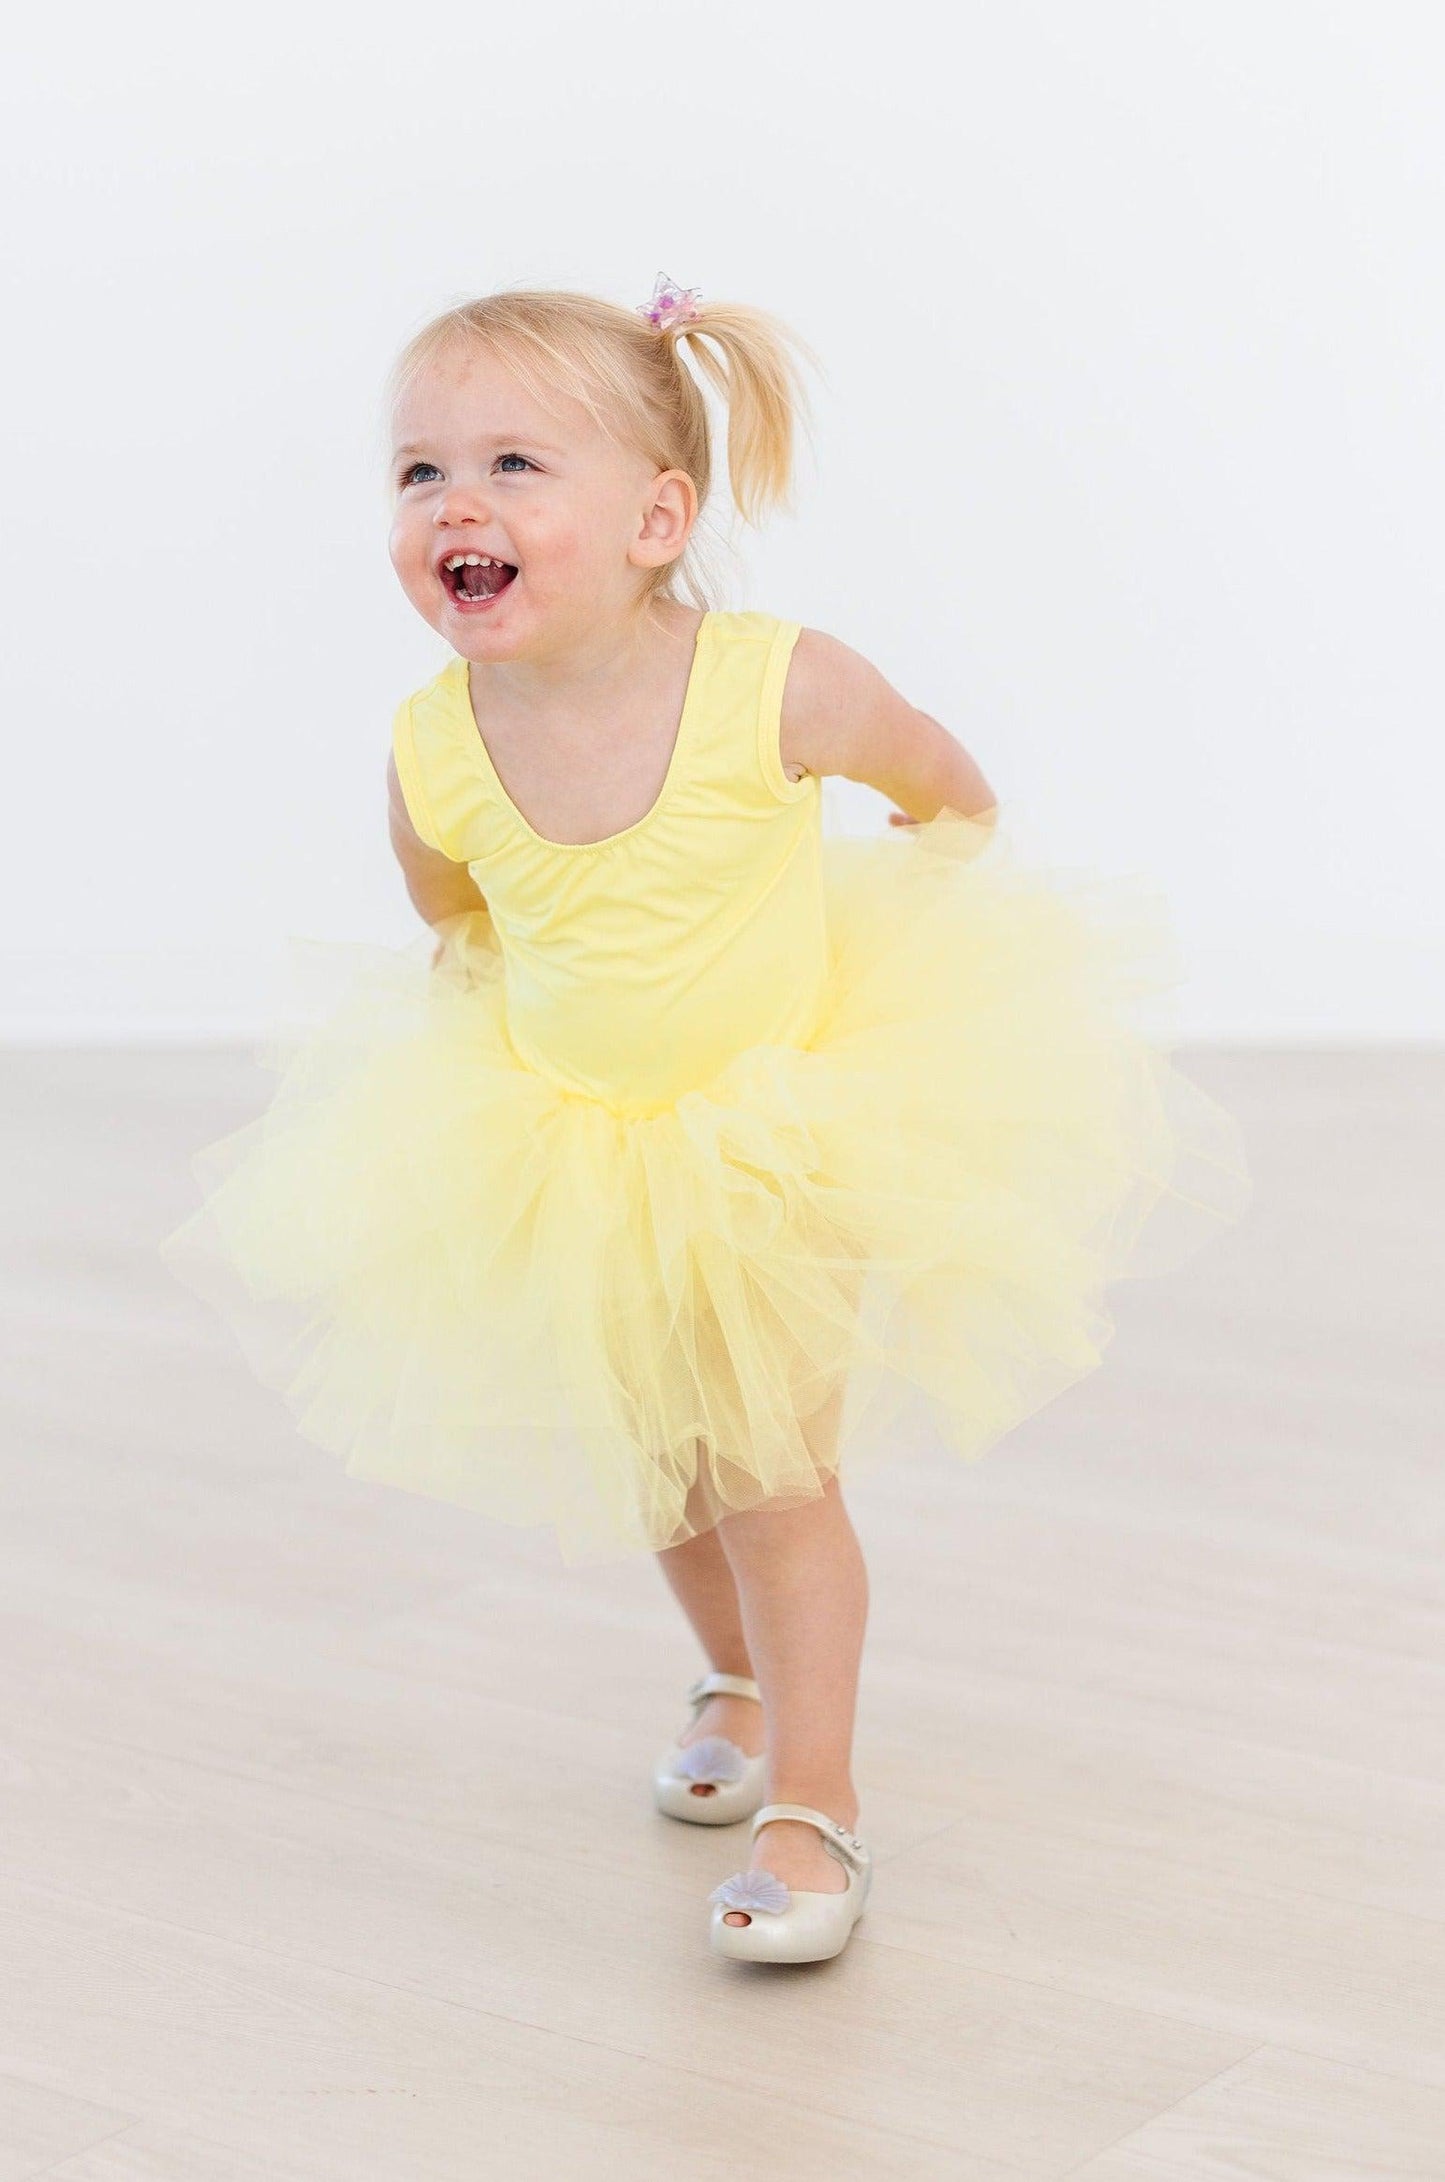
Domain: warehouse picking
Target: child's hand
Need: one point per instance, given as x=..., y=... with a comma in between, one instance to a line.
x=447, y=929
x=466, y=944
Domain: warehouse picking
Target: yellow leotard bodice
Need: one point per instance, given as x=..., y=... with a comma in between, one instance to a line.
x=635, y=967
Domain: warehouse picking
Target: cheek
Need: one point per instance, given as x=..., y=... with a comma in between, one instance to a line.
x=407, y=548
x=565, y=543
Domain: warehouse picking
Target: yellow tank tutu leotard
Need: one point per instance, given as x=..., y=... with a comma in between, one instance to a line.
x=714, y=1157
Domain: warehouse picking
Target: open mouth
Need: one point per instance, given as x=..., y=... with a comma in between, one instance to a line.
x=474, y=578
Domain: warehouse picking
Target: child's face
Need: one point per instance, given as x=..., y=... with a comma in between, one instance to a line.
x=481, y=469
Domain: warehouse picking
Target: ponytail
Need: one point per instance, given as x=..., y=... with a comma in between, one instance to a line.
x=763, y=393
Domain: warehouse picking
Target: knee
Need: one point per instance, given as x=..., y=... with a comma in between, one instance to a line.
x=777, y=1531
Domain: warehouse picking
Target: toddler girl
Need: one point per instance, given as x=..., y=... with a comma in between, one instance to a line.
x=701, y=1156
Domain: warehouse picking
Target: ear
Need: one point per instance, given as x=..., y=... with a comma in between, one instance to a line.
x=668, y=515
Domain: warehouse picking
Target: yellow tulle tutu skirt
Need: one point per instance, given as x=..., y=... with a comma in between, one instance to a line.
x=473, y=1284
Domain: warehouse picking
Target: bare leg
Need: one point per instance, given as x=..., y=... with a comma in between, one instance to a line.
x=803, y=1592
x=702, y=1580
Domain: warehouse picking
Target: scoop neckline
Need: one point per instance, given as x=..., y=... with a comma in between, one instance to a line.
x=690, y=699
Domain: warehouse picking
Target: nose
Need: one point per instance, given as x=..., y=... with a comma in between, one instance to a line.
x=460, y=504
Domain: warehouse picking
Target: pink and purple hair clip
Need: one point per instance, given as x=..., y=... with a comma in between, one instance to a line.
x=670, y=306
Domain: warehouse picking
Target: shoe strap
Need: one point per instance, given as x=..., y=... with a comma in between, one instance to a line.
x=723, y=1685
x=846, y=1846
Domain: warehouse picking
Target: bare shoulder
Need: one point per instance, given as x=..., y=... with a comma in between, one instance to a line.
x=839, y=713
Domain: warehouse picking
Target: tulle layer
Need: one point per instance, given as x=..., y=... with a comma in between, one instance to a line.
x=473, y=1283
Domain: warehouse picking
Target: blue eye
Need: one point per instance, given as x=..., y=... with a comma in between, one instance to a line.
x=409, y=474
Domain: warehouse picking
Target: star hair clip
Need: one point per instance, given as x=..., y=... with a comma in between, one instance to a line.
x=670, y=306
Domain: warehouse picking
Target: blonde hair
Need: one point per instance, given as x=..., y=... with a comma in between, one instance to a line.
x=633, y=382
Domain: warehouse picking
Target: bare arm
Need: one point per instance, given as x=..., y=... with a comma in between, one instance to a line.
x=841, y=716
x=439, y=889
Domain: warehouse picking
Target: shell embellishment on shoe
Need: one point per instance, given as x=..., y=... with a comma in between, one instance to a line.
x=793, y=1924
x=752, y=1890
x=712, y=1759
x=713, y=1781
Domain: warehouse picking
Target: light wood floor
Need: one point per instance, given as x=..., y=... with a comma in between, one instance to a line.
x=327, y=1846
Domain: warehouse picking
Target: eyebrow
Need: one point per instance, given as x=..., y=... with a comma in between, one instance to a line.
x=492, y=439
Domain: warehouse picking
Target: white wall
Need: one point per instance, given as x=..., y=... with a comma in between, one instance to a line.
x=1128, y=464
